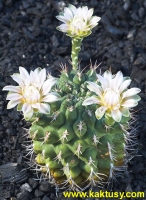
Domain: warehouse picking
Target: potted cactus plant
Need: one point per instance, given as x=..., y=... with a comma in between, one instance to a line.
x=80, y=120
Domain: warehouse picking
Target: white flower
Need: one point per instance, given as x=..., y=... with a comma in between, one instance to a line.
x=77, y=21
x=112, y=96
x=32, y=94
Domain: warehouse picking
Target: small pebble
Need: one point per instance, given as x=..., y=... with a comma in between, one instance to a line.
x=38, y=193
x=44, y=186
x=26, y=187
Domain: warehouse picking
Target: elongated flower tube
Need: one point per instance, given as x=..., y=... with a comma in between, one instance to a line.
x=78, y=22
x=33, y=93
x=112, y=96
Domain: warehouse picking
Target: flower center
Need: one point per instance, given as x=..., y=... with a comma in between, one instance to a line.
x=31, y=95
x=77, y=25
x=111, y=99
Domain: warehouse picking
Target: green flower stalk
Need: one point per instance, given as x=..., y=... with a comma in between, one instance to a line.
x=76, y=47
x=80, y=122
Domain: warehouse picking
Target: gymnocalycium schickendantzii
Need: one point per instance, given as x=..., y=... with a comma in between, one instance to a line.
x=79, y=121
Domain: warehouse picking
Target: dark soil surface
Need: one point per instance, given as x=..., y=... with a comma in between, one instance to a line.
x=28, y=38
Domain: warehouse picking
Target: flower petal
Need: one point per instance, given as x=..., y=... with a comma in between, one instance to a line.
x=100, y=112
x=125, y=111
x=94, y=88
x=24, y=75
x=27, y=111
x=63, y=27
x=94, y=21
x=48, y=85
x=135, y=97
x=131, y=92
x=85, y=13
x=17, y=78
x=62, y=18
x=35, y=105
x=26, y=108
x=11, y=88
x=12, y=104
x=32, y=77
x=116, y=115
x=78, y=12
x=124, y=85
x=44, y=108
x=51, y=97
x=19, y=107
x=42, y=77
x=37, y=71
x=73, y=8
x=107, y=75
x=129, y=103
x=36, y=76
x=68, y=14
x=103, y=81
x=90, y=101
x=14, y=96
x=28, y=115
x=117, y=81
x=90, y=13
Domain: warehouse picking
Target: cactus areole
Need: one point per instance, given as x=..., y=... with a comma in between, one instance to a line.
x=79, y=121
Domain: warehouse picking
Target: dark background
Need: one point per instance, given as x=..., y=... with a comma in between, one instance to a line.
x=28, y=38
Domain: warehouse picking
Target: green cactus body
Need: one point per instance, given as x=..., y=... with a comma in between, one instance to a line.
x=71, y=142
